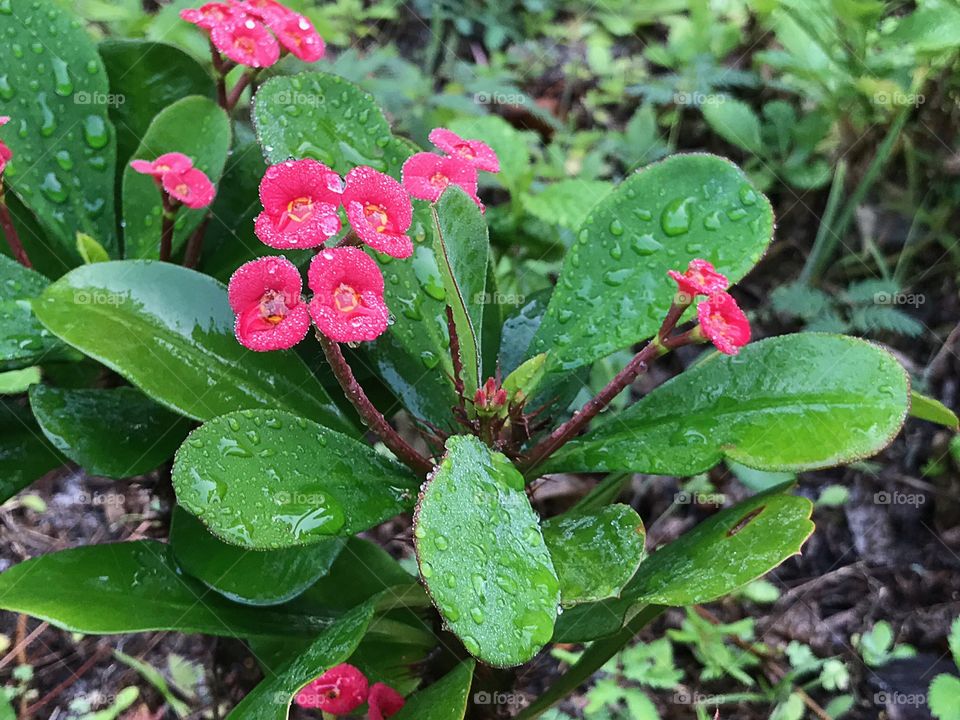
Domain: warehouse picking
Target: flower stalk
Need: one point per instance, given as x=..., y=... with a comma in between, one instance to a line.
x=10, y=232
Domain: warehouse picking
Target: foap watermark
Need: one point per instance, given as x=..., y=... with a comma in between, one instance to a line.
x=500, y=98
x=686, y=497
x=899, y=298
x=898, y=98
x=85, y=97
x=505, y=699
x=899, y=498
x=291, y=97
x=300, y=498
x=689, y=697
x=887, y=699
x=499, y=298
x=698, y=98
x=98, y=297
x=99, y=499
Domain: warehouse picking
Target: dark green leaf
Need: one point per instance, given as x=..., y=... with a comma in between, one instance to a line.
x=928, y=408
x=133, y=587
x=795, y=402
x=268, y=479
x=718, y=556
x=23, y=340
x=169, y=331
x=116, y=433
x=195, y=126
x=270, y=700
x=327, y=118
x=462, y=249
x=482, y=555
x=446, y=699
x=55, y=88
x=595, y=553
x=145, y=78
x=25, y=454
x=618, y=266
x=251, y=577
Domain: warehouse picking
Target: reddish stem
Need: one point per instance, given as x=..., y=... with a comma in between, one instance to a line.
x=13, y=238
x=456, y=358
x=238, y=89
x=191, y=257
x=371, y=417
x=166, y=230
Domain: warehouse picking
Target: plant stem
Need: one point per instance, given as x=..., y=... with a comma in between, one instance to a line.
x=13, y=238
x=572, y=427
x=456, y=357
x=371, y=417
x=238, y=89
x=191, y=258
x=221, y=72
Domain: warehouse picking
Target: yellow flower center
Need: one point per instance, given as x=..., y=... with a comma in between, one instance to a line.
x=346, y=299
x=377, y=216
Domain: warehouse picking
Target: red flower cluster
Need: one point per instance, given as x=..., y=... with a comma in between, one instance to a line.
x=344, y=688
x=175, y=174
x=301, y=209
x=241, y=30
x=722, y=322
x=5, y=153
x=427, y=175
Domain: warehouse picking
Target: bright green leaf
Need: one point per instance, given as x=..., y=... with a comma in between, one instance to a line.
x=735, y=122
x=482, y=555
x=90, y=250
x=266, y=479
x=943, y=697
x=446, y=699
x=928, y=408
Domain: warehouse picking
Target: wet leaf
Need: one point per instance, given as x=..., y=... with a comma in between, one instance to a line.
x=595, y=553
x=25, y=454
x=117, y=433
x=446, y=699
x=251, y=577
x=618, y=266
x=266, y=479
x=195, y=126
x=462, y=248
x=54, y=87
x=795, y=402
x=177, y=347
x=134, y=587
x=482, y=555
x=931, y=409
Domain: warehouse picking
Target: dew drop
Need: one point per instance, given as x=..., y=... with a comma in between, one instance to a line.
x=676, y=217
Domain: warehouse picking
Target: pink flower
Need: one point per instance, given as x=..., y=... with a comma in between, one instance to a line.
x=297, y=34
x=245, y=41
x=168, y=162
x=475, y=152
x=5, y=152
x=379, y=211
x=700, y=278
x=265, y=296
x=347, y=303
x=384, y=702
x=300, y=201
x=723, y=323
x=208, y=15
x=191, y=187
x=427, y=175
x=340, y=690
x=266, y=10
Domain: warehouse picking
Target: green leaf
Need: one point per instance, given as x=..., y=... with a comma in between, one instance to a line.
x=954, y=641
x=795, y=402
x=462, y=249
x=326, y=118
x=15, y=382
x=117, y=433
x=928, y=30
x=90, y=250
x=522, y=382
x=735, y=122
x=721, y=554
x=133, y=587
x=446, y=699
x=942, y=699
x=270, y=700
x=482, y=555
x=25, y=454
x=928, y=408
x=266, y=479
x=169, y=331
x=245, y=576
x=195, y=126
x=595, y=553
x=23, y=340
x=55, y=89
x=618, y=266
x=567, y=202
x=145, y=78
x=153, y=676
